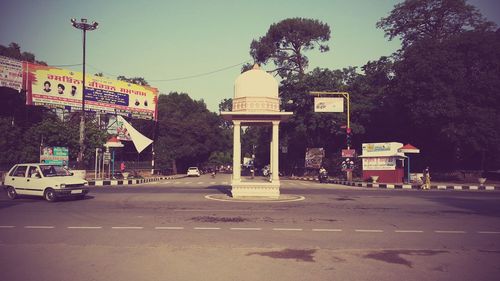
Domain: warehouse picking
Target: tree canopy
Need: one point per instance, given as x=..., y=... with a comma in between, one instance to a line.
x=414, y=20
x=286, y=41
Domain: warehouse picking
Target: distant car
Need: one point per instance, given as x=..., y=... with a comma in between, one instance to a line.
x=49, y=181
x=193, y=172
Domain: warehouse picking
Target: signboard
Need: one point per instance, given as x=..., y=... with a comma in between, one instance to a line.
x=348, y=153
x=314, y=157
x=328, y=104
x=59, y=88
x=56, y=155
x=379, y=163
x=382, y=149
x=11, y=73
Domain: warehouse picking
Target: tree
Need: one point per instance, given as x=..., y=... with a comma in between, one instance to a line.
x=448, y=91
x=188, y=132
x=286, y=41
x=14, y=51
x=414, y=20
x=134, y=80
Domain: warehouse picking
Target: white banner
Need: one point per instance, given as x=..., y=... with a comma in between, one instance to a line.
x=376, y=163
x=328, y=104
x=11, y=73
x=140, y=141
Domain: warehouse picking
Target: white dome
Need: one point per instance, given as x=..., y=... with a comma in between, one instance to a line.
x=255, y=83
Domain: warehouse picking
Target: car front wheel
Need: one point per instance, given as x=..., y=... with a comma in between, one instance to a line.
x=11, y=192
x=50, y=195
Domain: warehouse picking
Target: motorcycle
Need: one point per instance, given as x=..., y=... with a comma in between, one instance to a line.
x=323, y=177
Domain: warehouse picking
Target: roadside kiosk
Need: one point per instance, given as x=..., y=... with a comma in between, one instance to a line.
x=383, y=162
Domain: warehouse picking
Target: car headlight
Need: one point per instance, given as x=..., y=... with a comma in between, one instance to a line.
x=62, y=185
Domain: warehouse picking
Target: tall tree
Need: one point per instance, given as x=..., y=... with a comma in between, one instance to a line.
x=286, y=41
x=449, y=92
x=414, y=20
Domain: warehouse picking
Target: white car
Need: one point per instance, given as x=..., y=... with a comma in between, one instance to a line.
x=193, y=171
x=49, y=181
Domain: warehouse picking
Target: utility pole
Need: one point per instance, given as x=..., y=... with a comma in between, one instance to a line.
x=348, y=128
x=84, y=26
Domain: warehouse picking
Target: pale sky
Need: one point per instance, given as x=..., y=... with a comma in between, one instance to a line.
x=165, y=41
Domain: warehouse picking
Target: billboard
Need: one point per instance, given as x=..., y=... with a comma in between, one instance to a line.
x=328, y=104
x=60, y=88
x=11, y=73
x=314, y=157
x=56, y=155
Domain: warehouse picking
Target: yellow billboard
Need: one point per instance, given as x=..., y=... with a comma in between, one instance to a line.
x=60, y=88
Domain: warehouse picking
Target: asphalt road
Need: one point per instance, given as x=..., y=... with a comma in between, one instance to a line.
x=171, y=231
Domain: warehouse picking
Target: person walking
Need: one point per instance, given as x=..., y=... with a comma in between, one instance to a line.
x=427, y=179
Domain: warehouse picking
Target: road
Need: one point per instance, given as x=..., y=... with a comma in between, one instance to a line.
x=171, y=231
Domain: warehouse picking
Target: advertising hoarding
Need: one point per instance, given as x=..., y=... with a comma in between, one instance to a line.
x=59, y=88
x=328, y=104
x=314, y=157
x=379, y=163
x=56, y=155
x=11, y=73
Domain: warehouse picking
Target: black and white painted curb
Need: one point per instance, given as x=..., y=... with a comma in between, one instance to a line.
x=406, y=186
x=126, y=181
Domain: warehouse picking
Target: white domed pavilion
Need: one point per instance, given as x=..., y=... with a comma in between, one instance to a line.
x=256, y=102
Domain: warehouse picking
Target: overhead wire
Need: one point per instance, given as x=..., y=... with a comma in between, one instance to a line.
x=162, y=80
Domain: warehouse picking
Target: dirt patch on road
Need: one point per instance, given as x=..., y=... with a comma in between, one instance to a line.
x=395, y=256
x=298, y=255
x=213, y=219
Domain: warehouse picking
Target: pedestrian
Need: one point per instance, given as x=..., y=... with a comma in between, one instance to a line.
x=427, y=179
x=122, y=167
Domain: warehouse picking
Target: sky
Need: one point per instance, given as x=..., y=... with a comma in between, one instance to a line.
x=193, y=46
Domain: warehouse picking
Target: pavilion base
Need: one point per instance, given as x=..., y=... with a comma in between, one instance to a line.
x=255, y=189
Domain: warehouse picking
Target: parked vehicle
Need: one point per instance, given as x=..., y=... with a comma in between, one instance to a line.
x=50, y=181
x=193, y=172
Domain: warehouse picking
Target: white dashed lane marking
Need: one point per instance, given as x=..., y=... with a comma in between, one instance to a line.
x=39, y=226
x=409, y=231
x=369, y=230
x=84, y=227
x=169, y=227
x=127, y=227
x=287, y=229
x=207, y=228
x=246, y=228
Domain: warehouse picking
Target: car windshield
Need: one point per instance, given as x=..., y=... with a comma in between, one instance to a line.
x=53, y=171
x=193, y=169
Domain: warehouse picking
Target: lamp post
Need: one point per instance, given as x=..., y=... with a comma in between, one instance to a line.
x=83, y=25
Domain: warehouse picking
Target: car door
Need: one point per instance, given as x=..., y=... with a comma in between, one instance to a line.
x=18, y=180
x=34, y=181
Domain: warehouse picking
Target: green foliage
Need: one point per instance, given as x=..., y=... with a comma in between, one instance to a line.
x=286, y=41
x=448, y=91
x=414, y=20
x=134, y=80
x=187, y=132
x=14, y=51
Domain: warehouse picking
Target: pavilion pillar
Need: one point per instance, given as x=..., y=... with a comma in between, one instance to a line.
x=237, y=151
x=275, y=152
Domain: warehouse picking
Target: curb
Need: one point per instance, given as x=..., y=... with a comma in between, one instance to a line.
x=126, y=182
x=406, y=186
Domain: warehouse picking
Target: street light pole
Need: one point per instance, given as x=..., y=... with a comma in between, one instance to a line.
x=84, y=26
